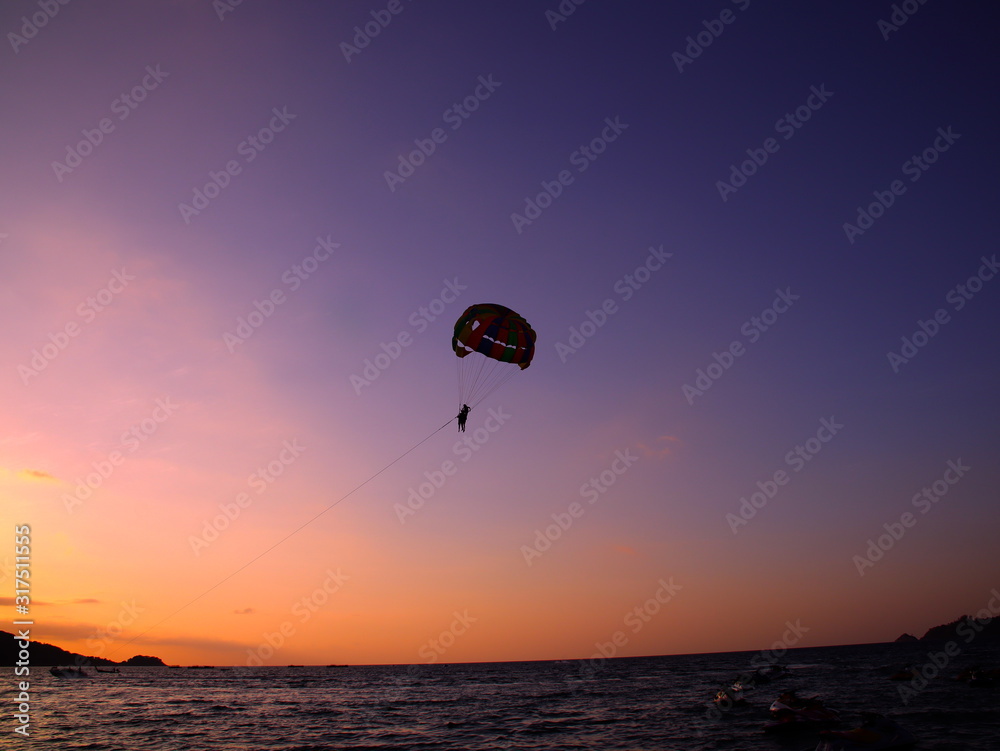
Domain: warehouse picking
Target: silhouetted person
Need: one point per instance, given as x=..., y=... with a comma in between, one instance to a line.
x=463, y=415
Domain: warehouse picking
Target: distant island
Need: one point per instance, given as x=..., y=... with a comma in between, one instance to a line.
x=45, y=655
x=959, y=630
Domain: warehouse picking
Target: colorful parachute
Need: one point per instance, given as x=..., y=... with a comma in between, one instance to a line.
x=492, y=342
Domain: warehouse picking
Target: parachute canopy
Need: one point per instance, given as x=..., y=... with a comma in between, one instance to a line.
x=492, y=343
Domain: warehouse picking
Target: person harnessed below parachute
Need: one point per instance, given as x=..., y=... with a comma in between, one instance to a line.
x=489, y=341
x=463, y=415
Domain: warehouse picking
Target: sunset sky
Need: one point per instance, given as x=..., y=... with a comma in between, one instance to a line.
x=218, y=218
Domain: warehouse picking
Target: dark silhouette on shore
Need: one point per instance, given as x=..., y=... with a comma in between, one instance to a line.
x=49, y=655
x=959, y=630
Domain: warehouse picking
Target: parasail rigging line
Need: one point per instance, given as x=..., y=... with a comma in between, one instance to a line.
x=294, y=532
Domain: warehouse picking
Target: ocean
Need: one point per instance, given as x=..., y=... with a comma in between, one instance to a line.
x=624, y=703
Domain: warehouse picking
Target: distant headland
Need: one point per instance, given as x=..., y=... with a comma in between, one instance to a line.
x=986, y=630
x=45, y=655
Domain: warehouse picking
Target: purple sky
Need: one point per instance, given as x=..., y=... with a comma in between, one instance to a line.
x=111, y=250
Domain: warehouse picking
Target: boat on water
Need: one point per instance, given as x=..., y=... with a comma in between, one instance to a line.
x=59, y=672
x=107, y=670
x=791, y=712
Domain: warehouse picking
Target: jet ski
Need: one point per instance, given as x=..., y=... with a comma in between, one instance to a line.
x=731, y=696
x=791, y=712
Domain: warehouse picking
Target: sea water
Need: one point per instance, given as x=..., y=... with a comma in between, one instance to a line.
x=627, y=703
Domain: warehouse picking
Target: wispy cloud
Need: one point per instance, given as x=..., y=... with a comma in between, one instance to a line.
x=36, y=475
x=664, y=445
x=9, y=601
x=21, y=476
